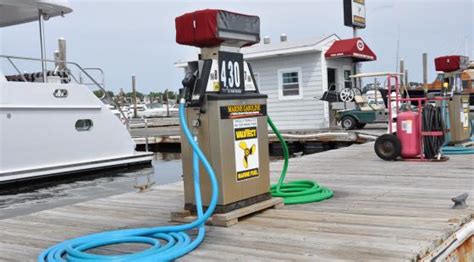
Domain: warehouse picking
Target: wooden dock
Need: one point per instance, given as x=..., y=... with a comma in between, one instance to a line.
x=381, y=211
x=166, y=131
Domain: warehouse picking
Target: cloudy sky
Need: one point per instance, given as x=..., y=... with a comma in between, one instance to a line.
x=138, y=37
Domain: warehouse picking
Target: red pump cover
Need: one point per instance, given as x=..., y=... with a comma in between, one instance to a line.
x=212, y=27
x=451, y=63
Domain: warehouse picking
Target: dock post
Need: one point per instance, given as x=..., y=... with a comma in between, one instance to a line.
x=406, y=79
x=146, y=134
x=402, y=71
x=425, y=72
x=167, y=104
x=134, y=91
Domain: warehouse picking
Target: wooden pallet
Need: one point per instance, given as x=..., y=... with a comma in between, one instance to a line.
x=231, y=218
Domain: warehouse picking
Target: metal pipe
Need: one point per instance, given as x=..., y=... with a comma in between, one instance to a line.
x=389, y=104
x=57, y=60
x=42, y=45
x=17, y=69
x=62, y=53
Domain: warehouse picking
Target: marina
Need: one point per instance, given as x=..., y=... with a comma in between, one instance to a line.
x=391, y=212
x=231, y=144
x=163, y=134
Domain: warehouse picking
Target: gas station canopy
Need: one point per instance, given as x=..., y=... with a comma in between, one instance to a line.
x=354, y=48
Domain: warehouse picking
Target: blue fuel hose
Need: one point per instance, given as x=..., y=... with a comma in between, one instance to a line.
x=166, y=243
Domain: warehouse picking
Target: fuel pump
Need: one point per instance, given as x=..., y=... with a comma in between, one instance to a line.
x=456, y=116
x=227, y=114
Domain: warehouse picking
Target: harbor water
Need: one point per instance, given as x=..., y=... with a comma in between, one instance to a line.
x=40, y=195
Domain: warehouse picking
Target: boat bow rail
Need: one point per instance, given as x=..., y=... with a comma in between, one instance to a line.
x=62, y=73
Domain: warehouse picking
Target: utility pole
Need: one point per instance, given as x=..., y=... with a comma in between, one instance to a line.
x=134, y=91
x=354, y=16
x=357, y=81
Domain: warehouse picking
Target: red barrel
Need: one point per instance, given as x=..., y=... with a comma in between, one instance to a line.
x=409, y=132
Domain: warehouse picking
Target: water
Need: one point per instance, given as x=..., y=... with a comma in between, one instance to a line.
x=37, y=196
x=49, y=194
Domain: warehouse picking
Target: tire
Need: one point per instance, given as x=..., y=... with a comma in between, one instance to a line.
x=348, y=123
x=347, y=95
x=360, y=125
x=388, y=147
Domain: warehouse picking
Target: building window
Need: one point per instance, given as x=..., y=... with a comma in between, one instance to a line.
x=347, y=79
x=290, y=86
x=84, y=125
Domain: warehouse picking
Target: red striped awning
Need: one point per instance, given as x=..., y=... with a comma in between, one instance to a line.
x=355, y=48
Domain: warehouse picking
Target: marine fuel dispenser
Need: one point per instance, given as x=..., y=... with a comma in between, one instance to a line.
x=225, y=110
x=458, y=105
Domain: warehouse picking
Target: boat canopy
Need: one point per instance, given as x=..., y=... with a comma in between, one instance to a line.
x=13, y=12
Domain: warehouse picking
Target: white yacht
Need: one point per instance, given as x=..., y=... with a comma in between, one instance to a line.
x=50, y=122
x=153, y=110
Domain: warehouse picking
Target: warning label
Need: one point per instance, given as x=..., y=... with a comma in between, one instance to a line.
x=246, y=148
x=407, y=126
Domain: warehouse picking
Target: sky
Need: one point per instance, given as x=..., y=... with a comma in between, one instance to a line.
x=138, y=37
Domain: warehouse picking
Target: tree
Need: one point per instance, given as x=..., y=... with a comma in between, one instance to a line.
x=140, y=96
x=100, y=93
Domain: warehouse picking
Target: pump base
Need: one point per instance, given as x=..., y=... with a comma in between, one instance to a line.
x=230, y=218
x=232, y=206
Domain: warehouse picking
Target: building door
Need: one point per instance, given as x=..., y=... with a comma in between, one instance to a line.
x=332, y=86
x=332, y=79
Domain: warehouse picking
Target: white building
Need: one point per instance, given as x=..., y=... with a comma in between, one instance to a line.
x=295, y=74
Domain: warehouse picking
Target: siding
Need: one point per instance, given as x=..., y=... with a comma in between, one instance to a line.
x=297, y=114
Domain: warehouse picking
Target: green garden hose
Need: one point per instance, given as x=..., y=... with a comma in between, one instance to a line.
x=298, y=191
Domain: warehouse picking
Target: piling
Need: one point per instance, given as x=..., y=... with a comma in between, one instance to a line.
x=134, y=91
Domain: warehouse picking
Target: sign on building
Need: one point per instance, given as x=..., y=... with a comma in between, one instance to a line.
x=354, y=13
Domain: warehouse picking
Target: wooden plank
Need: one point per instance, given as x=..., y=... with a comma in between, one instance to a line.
x=390, y=211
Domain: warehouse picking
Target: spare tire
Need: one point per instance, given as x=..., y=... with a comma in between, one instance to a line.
x=388, y=147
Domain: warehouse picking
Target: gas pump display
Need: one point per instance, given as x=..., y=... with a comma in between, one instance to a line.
x=231, y=76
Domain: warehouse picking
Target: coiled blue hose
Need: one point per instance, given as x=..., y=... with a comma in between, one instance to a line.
x=177, y=241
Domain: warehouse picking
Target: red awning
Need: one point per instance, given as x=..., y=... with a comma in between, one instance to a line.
x=354, y=47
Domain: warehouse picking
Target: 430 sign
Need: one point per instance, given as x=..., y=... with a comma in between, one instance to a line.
x=231, y=72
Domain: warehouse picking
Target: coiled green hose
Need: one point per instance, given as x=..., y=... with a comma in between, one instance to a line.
x=298, y=191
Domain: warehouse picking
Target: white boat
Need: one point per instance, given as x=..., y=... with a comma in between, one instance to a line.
x=123, y=116
x=50, y=123
x=153, y=110
x=375, y=97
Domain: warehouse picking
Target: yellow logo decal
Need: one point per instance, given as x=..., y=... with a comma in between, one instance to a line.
x=247, y=152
